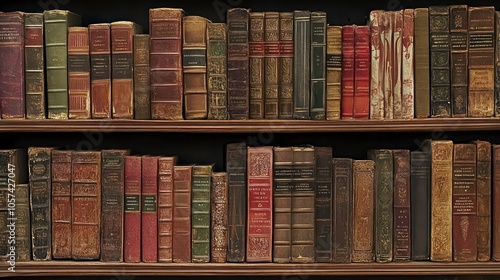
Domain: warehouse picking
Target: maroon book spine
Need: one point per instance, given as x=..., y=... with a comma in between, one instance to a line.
x=181, y=247
x=100, y=70
x=132, y=223
x=149, y=209
x=165, y=207
x=362, y=72
x=348, y=52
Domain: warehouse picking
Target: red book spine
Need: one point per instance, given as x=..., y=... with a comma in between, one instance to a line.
x=348, y=72
x=132, y=224
x=362, y=72
x=149, y=213
x=165, y=205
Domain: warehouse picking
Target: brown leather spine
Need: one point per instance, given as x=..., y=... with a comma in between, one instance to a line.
x=23, y=231
x=78, y=73
x=219, y=214
x=61, y=204
x=402, y=221
x=256, y=53
x=271, y=64
x=100, y=70
x=422, y=65
x=323, y=204
x=341, y=215
x=217, y=70
x=495, y=229
x=165, y=207
x=285, y=94
x=149, y=209
x=142, y=87
x=459, y=59
x=333, y=71
x=483, y=169
x=181, y=248
x=34, y=65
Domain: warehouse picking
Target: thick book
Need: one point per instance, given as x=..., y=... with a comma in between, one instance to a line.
x=422, y=64
x=181, y=227
x=323, y=204
x=200, y=213
x=397, y=65
x=165, y=29
x=362, y=72
x=142, y=87
x=23, y=231
x=34, y=65
x=301, y=64
x=132, y=210
x=495, y=210
x=497, y=64
x=61, y=203
x=333, y=71
x=56, y=23
x=256, y=53
x=78, y=73
x=386, y=34
x=260, y=204
x=285, y=95
x=483, y=185
x=217, y=71
x=219, y=215
x=348, y=71
x=165, y=207
x=317, y=58
x=459, y=59
x=100, y=70
x=149, y=209
x=376, y=66
x=402, y=210
x=408, y=65
x=272, y=64
x=342, y=210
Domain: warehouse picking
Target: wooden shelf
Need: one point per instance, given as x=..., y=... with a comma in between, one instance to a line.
x=71, y=268
x=248, y=126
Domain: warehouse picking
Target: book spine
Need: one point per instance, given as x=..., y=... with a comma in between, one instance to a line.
x=387, y=32
x=402, y=210
x=23, y=231
x=149, y=209
x=34, y=71
x=301, y=63
x=362, y=72
x=132, y=212
x=348, y=53
x=333, y=71
x=200, y=214
x=219, y=217
x=376, y=65
x=483, y=169
x=61, y=204
x=78, y=73
x=256, y=53
x=342, y=198
x=318, y=66
x=408, y=65
x=100, y=70
x=271, y=65
x=497, y=64
x=397, y=58
x=217, y=70
x=142, y=87
x=181, y=230
x=323, y=204
x=285, y=95
x=422, y=63
x=459, y=59
x=495, y=230
x=165, y=207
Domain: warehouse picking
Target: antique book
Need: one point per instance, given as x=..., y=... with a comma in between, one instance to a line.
x=12, y=88
x=56, y=23
x=236, y=167
x=165, y=207
x=497, y=64
x=122, y=66
x=362, y=72
x=132, y=213
x=441, y=200
x=387, y=21
x=194, y=67
x=260, y=204
x=217, y=71
x=238, y=74
x=376, y=65
x=272, y=65
x=333, y=71
x=149, y=209
x=362, y=211
x=397, y=54
x=40, y=193
x=200, y=213
x=256, y=53
x=408, y=65
x=23, y=231
x=384, y=197
x=86, y=205
x=421, y=201
x=439, y=33
x=61, y=203
x=34, y=65
x=342, y=210
x=422, y=64
x=318, y=66
x=112, y=206
x=402, y=210
x=78, y=73
x=282, y=202
x=348, y=71
x=459, y=59
x=165, y=29
x=219, y=214
x=285, y=95
x=323, y=204
x=142, y=87
x=181, y=225
x=100, y=70
x=481, y=62
x=301, y=63
x=495, y=210
x=483, y=185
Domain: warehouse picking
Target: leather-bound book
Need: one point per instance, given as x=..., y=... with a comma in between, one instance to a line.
x=132, y=214
x=165, y=207
x=402, y=210
x=100, y=70
x=181, y=230
x=384, y=197
x=323, y=204
x=78, y=73
x=333, y=71
x=236, y=167
x=341, y=215
x=441, y=200
x=387, y=21
x=408, y=65
x=362, y=211
x=86, y=205
x=238, y=73
x=301, y=64
x=165, y=29
x=483, y=184
x=112, y=209
x=495, y=227
x=348, y=71
x=122, y=66
x=219, y=214
x=217, y=71
x=497, y=64
x=142, y=87
x=56, y=23
x=318, y=66
x=61, y=204
x=397, y=54
x=459, y=59
x=40, y=193
x=23, y=231
x=362, y=72
x=439, y=33
x=200, y=213
x=285, y=94
x=194, y=67
x=271, y=65
x=282, y=201
x=149, y=209
x=256, y=53
x=260, y=204
x=376, y=66
x=34, y=65
x=422, y=63
x=481, y=62
x=12, y=88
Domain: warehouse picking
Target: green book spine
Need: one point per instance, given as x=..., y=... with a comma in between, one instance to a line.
x=318, y=66
x=301, y=74
x=200, y=211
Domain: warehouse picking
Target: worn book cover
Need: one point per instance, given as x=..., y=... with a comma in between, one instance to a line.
x=256, y=53
x=78, y=73
x=100, y=70
x=165, y=207
x=219, y=215
x=34, y=66
x=200, y=213
x=61, y=203
x=181, y=244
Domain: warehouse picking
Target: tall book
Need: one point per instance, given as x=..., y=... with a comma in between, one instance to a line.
x=497, y=64
x=318, y=66
x=422, y=64
x=256, y=53
x=495, y=228
x=408, y=65
x=323, y=204
x=402, y=210
x=348, y=74
x=260, y=204
x=200, y=213
x=272, y=64
x=333, y=71
x=132, y=214
x=238, y=76
x=342, y=210
x=459, y=59
x=61, y=203
x=362, y=72
x=142, y=87
x=481, y=62
x=301, y=64
x=285, y=94
x=194, y=67
x=78, y=73
x=23, y=231
x=100, y=70
x=181, y=227
x=149, y=209
x=165, y=207
x=386, y=34
x=217, y=71
x=165, y=29
x=397, y=58
x=34, y=65
x=56, y=23
x=219, y=214
x=376, y=65
x=483, y=184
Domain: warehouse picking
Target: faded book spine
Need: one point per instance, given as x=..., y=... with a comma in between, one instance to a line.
x=78, y=73
x=181, y=244
x=317, y=58
x=285, y=94
x=34, y=54
x=323, y=204
x=333, y=71
x=362, y=72
x=495, y=230
x=342, y=208
x=408, y=65
x=219, y=215
x=149, y=209
x=376, y=65
x=132, y=212
x=142, y=87
x=23, y=231
x=397, y=54
x=459, y=59
x=165, y=207
x=217, y=71
x=347, y=107
x=301, y=63
x=200, y=213
x=422, y=65
x=256, y=43
x=61, y=204
x=271, y=65
x=483, y=169
x=386, y=34
x=497, y=65
x=402, y=210
x=100, y=70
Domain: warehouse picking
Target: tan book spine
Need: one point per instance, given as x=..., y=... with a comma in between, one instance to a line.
x=397, y=54
x=333, y=71
x=376, y=64
x=219, y=213
x=408, y=64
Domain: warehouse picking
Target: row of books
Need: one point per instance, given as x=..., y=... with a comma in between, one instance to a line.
x=272, y=204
